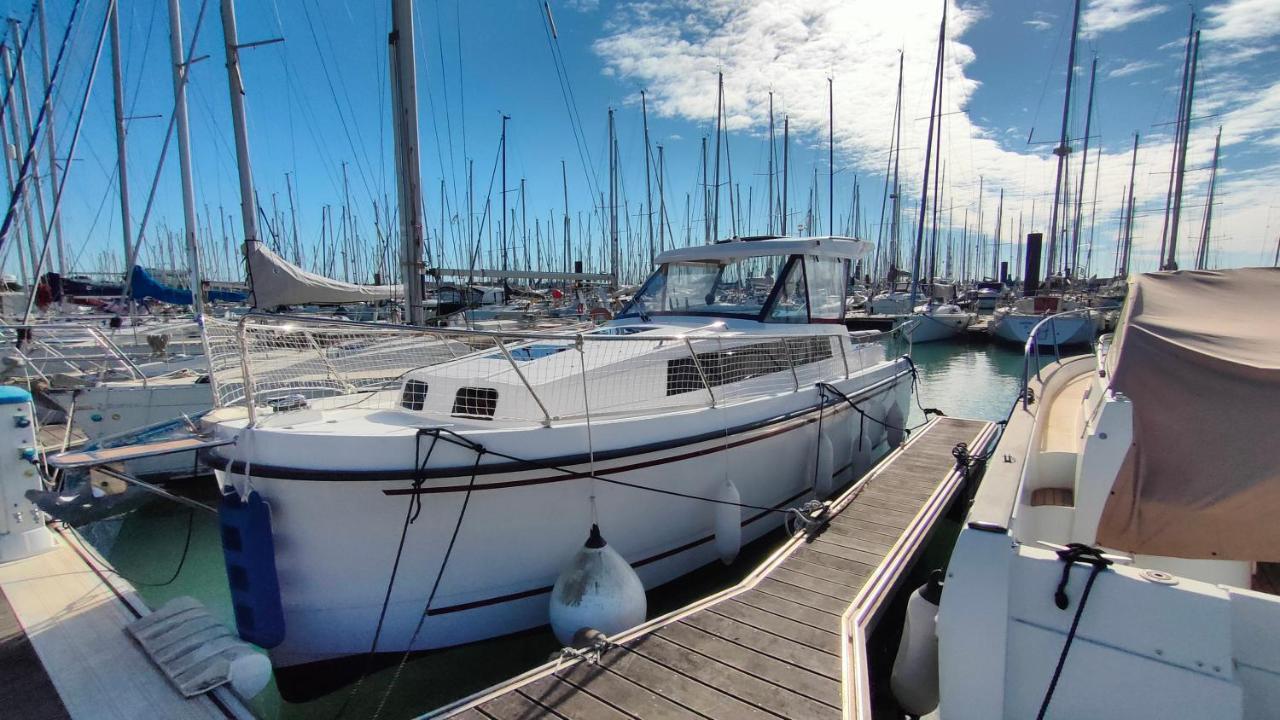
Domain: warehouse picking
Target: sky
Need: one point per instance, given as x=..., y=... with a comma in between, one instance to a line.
x=318, y=105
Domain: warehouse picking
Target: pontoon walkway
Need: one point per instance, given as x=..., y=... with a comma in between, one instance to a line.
x=789, y=640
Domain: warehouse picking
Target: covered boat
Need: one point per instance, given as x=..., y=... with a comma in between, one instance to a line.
x=1122, y=560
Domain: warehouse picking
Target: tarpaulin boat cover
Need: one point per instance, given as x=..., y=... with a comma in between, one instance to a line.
x=277, y=282
x=144, y=285
x=1198, y=353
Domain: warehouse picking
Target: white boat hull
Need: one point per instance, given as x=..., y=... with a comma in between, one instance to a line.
x=932, y=327
x=1069, y=330
x=337, y=522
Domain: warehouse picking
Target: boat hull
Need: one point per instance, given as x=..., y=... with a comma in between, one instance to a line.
x=1062, y=331
x=337, y=531
x=933, y=327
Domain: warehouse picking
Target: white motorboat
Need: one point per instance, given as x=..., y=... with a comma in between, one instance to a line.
x=1120, y=557
x=704, y=388
x=1015, y=323
x=936, y=321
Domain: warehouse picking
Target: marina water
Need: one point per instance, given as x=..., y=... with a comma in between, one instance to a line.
x=167, y=551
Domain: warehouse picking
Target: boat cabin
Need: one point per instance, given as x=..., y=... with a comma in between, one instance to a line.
x=773, y=280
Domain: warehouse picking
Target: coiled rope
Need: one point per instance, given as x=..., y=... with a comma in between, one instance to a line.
x=1070, y=555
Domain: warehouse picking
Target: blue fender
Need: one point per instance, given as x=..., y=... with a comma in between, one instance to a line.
x=250, y=554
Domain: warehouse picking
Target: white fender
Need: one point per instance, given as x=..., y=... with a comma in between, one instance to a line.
x=597, y=589
x=895, y=424
x=915, y=670
x=728, y=522
x=821, y=473
x=873, y=423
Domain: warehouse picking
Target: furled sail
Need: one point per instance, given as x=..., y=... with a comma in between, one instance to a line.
x=277, y=282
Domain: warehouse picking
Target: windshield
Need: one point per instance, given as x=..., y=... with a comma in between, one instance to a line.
x=735, y=288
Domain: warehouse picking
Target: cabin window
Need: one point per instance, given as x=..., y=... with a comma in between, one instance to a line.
x=826, y=278
x=736, y=287
x=475, y=402
x=414, y=396
x=791, y=299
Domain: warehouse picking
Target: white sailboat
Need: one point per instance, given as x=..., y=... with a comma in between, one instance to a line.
x=1120, y=556
x=1015, y=322
x=705, y=387
x=936, y=321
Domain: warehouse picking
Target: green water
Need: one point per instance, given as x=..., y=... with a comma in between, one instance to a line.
x=976, y=380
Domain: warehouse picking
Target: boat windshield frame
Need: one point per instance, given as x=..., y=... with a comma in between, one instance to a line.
x=657, y=283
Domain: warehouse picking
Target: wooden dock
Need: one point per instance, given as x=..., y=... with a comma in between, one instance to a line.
x=64, y=652
x=789, y=640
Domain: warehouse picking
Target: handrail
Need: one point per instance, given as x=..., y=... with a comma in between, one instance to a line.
x=1033, y=345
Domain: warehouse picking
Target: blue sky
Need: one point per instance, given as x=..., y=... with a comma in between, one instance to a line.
x=319, y=99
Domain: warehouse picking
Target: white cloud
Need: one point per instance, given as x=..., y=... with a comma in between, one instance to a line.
x=1108, y=15
x=1038, y=25
x=674, y=48
x=1243, y=20
x=1131, y=68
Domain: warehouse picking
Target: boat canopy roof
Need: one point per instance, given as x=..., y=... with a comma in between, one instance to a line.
x=738, y=248
x=1198, y=353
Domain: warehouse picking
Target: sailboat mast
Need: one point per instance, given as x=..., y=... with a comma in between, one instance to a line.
x=564, y=183
x=235, y=84
x=1064, y=148
x=934, y=102
x=180, y=69
x=769, y=225
x=715, y=212
x=408, y=174
x=786, y=168
x=648, y=187
x=122, y=175
x=1171, y=262
x=1177, y=141
x=1128, y=223
x=52, y=144
x=1084, y=166
x=1202, y=255
x=662, y=203
x=831, y=158
x=502, y=192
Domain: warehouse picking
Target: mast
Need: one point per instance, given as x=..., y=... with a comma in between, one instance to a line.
x=995, y=241
x=896, y=221
x=39, y=257
x=235, y=85
x=1177, y=141
x=408, y=174
x=1064, y=148
x=180, y=73
x=769, y=228
x=786, y=167
x=934, y=102
x=648, y=189
x=715, y=213
x=662, y=203
x=1171, y=262
x=831, y=158
x=502, y=192
x=613, y=204
x=564, y=182
x=1202, y=254
x=1084, y=166
x=1128, y=223
x=52, y=144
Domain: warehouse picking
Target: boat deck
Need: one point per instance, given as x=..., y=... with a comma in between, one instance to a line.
x=789, y=640
x=64, y=652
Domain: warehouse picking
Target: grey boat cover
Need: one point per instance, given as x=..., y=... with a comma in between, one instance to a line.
x=277, y=282
x=1198, y=353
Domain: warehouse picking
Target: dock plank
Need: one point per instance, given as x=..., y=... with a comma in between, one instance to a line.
x=770, y=647
x=742, y=634
x=713, y=651
x=564, y=698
